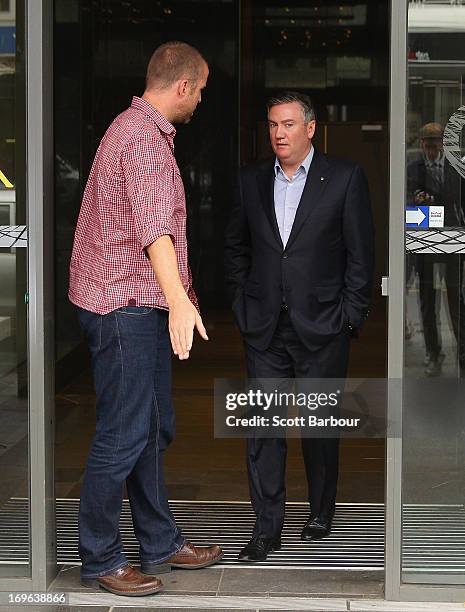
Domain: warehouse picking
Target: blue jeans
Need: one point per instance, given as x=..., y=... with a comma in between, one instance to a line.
x=131, y=362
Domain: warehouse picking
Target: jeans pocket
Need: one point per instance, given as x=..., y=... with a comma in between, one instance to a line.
x=135, y=310
x=91, y=324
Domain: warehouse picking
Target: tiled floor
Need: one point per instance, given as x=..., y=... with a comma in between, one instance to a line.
x=240, y=587
x=253, y=582
x=215, y=589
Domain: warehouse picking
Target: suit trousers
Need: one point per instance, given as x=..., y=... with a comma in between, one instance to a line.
x=430, y=300
x=287, y=357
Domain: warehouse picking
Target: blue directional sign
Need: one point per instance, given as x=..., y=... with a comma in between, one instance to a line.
x=424, y=216
x=7, y=40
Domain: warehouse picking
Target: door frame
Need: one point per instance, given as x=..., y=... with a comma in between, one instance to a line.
x=41, y=336
x=396, y=286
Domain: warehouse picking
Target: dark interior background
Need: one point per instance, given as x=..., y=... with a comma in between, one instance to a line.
x=337, y=52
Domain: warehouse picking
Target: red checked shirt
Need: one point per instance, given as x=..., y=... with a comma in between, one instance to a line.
x=133, y=196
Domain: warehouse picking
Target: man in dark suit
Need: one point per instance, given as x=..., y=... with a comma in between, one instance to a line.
x=431, y=180
x=299, y=266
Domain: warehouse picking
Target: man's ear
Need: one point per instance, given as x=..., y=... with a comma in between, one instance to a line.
x=311, y=125
x=183, y=87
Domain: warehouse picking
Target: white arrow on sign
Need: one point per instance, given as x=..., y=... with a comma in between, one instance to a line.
x=415, y=216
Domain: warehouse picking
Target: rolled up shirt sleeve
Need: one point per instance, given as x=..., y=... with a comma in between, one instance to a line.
x=150, y=189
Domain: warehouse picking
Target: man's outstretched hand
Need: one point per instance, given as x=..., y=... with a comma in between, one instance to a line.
x=183, y=319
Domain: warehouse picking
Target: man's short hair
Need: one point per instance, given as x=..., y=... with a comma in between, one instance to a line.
x=432, y=130
x=171, y=62
x=287, y=97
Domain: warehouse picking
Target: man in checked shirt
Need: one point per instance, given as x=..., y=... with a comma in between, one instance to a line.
x=131, y=284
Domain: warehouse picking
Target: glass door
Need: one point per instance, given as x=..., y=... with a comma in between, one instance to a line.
x=14, y=391
x=27, y=535
x=433, y=462
x=425, y=530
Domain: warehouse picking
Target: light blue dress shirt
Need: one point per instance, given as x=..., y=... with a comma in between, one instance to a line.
x=287, y=194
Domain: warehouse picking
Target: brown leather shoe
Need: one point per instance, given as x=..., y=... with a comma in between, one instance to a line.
x=189, y=557
x=126, y=581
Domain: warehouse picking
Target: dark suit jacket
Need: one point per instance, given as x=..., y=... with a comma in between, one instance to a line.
x=451, y=194
x=325, y=272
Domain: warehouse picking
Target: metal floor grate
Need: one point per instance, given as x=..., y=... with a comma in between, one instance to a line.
x=434, y=536
x=230, y=525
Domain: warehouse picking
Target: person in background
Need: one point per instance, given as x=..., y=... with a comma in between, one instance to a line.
x=432, y=181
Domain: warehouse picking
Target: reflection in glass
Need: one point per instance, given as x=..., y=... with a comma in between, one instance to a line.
x=14, y=483
x=434, y=369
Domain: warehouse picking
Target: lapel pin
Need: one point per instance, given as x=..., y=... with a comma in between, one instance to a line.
x=322, y=178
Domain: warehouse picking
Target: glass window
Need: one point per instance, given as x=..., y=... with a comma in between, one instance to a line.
x=434, y=433
x=14, y=477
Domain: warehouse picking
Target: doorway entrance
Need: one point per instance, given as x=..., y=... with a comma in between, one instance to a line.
x=338, y=53
x=101, y=47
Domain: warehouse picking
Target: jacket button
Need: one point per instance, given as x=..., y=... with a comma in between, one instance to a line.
x=284, y=255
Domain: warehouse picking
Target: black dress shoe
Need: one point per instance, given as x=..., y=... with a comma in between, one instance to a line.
x=316, y=528
x=258, y=548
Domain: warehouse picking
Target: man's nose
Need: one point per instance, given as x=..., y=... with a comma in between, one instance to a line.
x=279, y=133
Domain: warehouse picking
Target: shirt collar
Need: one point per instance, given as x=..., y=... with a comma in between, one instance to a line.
x=439, y=159
x=162, y=122
x=305, y=165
